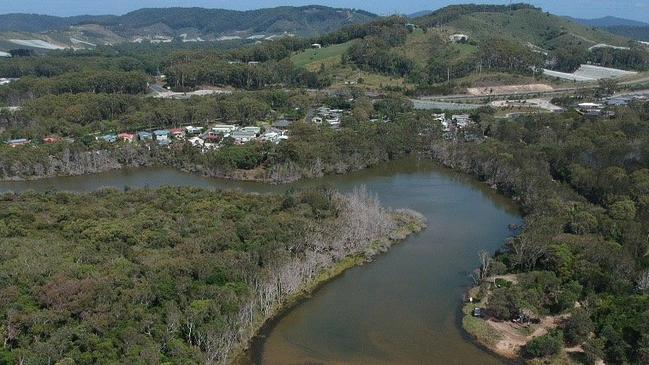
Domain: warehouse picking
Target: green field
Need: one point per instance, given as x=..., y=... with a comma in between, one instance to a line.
x=327, y=55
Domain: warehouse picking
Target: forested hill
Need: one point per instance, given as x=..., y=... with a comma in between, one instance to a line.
x=42, y=23
x=306, y=20
x=521, y=22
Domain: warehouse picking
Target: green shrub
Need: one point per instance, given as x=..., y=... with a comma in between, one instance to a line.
x=578, y=327
x=544, y=346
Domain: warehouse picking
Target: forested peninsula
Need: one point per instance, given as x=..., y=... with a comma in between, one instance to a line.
x=174, y=275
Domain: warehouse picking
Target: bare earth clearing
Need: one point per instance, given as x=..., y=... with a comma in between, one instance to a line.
x=509, y=89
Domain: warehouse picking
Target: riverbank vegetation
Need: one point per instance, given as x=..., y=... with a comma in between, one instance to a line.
x=175, y=275
x=583, y=251
x=312, y=150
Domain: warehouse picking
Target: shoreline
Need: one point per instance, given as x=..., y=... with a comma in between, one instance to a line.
x=410, y=224
x=241, y=354
x=102, y=161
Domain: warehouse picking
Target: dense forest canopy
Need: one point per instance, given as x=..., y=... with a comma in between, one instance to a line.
x=174, y=275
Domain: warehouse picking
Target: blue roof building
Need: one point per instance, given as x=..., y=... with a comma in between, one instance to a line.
x=161, y=134
x=144, y=136
x=110, y=138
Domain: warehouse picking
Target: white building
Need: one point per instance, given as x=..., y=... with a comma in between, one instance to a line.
x=224, y=128
x=253, y=130
x=459, y=38
x=193, y=130
x=462, y=120
x=196, y=142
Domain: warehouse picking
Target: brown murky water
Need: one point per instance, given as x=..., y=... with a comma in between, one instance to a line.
x=401, y=309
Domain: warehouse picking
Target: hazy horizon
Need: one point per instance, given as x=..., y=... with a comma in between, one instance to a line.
x=630, y=9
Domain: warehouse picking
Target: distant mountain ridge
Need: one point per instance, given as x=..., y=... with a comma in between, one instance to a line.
x=632, y=32
x=609, y=21
x=628, y=28
x=195, y=24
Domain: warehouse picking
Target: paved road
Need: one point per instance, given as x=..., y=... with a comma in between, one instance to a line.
x=432, y=104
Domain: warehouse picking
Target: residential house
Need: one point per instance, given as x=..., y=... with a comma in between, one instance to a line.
x=333, y=121
x=196, y=142
x=126, y=137
x=224, y=128
x=110, y=138
x=177, y=133
x=213, y=137
x=193, y=130
x=144, y=136
x=270, y=136
x=282, y=124
x=18, y=142
x=461, y=120
x=620, y=101
x=255, y=130
x=242, y=136
x=161, y=135
x=51, y=139
x=590, y=109
x=459, y=38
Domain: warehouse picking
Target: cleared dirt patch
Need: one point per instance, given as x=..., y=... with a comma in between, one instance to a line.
x=509, y=89
x=514, y=335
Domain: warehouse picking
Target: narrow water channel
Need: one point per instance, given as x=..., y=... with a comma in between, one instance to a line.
x=401, y=309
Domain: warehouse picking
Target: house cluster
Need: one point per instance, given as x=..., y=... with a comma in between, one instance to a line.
x=455, y=123
x=216, y=134
x=626, y=99
x=200, y=137
x=47, y=140
x=332, y=117
x=162, y=137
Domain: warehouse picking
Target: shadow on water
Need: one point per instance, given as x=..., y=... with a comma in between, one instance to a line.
x=401, y=308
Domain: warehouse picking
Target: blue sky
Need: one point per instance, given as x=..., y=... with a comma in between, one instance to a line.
x=632, y=9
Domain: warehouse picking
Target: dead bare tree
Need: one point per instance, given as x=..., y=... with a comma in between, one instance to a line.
x=360, y=224
x=485, y=263
x=643, y=282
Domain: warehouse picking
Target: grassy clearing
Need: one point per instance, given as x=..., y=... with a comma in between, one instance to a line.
x=313, y=57
x=478, y=327
x=371, y=81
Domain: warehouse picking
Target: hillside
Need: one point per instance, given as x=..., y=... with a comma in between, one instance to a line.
x=168, y=24
x=505, y=45
x=520, y=22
